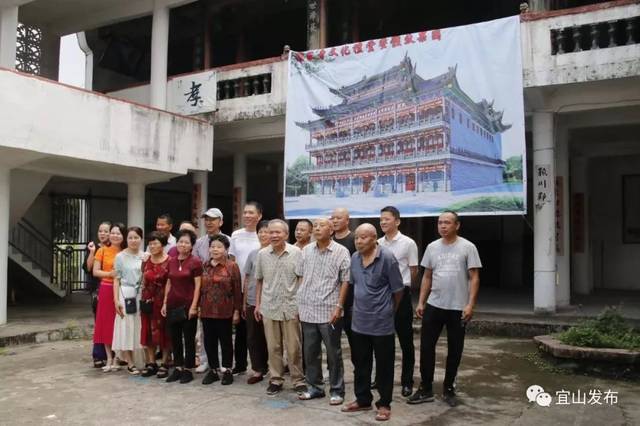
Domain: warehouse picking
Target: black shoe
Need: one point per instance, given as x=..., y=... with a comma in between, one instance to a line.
x=407, y=390
x=450, y=398
x=212, y=376
x=273, y=389
x=420, y=396
x=227, y=377
x=186, y=376
x=236, y=371
x=374, y=385
x=174, y=376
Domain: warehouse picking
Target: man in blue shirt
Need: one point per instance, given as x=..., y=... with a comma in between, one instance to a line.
x=378, y=289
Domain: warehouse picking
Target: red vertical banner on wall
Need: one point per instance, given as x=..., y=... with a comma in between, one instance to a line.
x=195, y=202
x=577, y=223
x=559, y=216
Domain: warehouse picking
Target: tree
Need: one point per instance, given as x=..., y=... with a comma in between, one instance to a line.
x=297, y=182
x=513, y=169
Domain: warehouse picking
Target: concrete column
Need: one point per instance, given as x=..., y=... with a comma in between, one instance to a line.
x=135, y=204
x=201, y=178
x=50, y=57
x=239, y=185
x=563, y=289
x=159, y=54
x=8, y=35
x=582, y=265
x=544, y=250
x=5, y=180
x=316, y=24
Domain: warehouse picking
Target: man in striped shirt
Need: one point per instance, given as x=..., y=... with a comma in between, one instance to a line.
x=323, y=269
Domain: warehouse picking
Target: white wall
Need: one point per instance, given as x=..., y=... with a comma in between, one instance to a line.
x=615, y=263
x=62, y=124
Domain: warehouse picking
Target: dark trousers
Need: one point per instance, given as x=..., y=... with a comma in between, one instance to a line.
x=216, y=330
x=433, y=320
x=240, y=345
x=314, y=335
x=404, y=330
x=257, y=343
x=184, y=356
x=364, y=348
x=346, y=326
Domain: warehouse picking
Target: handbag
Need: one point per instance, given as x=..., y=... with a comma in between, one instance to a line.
x=176, y=315
x=146, y=306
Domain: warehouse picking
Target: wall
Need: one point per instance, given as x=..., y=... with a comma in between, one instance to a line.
x=615, y=263
x=101, y=129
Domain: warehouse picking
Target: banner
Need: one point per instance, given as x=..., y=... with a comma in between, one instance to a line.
x=193, y=93
x=425, y=122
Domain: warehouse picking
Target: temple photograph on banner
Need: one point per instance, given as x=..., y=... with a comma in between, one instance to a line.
x=428, y=121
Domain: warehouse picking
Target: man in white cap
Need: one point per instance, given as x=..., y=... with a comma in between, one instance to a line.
x=212, y=223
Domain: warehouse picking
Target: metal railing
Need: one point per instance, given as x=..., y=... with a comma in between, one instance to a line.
x=61, y=262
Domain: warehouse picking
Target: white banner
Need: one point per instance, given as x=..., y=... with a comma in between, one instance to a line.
x=193, y=94
x=425, y=122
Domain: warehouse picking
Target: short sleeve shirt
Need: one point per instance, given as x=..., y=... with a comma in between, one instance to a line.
x=322, y=272
x=373, y=288
x=450, y=264
x=201, y=247
x=405, y=251
x=128, y=269
x=249, y=273
x=279, y=282
x=182, y=274
x=106, y=255
x=243, y=242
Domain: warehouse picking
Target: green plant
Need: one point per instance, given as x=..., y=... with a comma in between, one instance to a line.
x=608, y=330
x=488, y=204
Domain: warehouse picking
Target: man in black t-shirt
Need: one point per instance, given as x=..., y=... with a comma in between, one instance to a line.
x=343, y=235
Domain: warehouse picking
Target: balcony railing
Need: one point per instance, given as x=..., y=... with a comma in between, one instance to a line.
x=597, y=35
x=244, y=86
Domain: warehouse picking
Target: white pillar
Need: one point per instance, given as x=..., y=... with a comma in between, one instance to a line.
x=4, y=239
x=8, y=35
x=201, y=179
x=239, y=187
x=135, y=204
x=544, y=250
x=563, y=289
x=159, y=54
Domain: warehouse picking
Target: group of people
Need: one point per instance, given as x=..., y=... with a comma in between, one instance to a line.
x=285, y=302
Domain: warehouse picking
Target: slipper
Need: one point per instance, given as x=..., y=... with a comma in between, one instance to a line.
x=353, y=407
x=383, y=414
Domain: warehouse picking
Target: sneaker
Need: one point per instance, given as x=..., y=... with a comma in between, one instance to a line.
x=273, y=389
x=407, y=390
x=202, y=368
x=450, y=398
x=237, y=371
x=420, y=396
x=212, y=376
x=174, y=376
x=186, y=376
x=336, y=400
x=227, y=377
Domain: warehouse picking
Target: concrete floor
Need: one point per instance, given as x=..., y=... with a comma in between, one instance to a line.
x=53, y=383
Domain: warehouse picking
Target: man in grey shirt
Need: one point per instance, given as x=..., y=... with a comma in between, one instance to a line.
x=377, y=291
x=451, y=281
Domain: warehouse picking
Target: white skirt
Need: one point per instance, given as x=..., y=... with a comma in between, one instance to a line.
x=126, y=331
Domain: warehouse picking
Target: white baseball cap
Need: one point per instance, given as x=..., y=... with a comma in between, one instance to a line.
x=213, y=213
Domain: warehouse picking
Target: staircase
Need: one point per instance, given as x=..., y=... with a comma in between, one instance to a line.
x=37, y=255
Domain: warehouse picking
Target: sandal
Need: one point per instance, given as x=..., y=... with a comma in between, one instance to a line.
x=133, y=370
x=163, y=372
x=149, y=370
x=383, y=414
x=107, y=368
x=98, y=363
